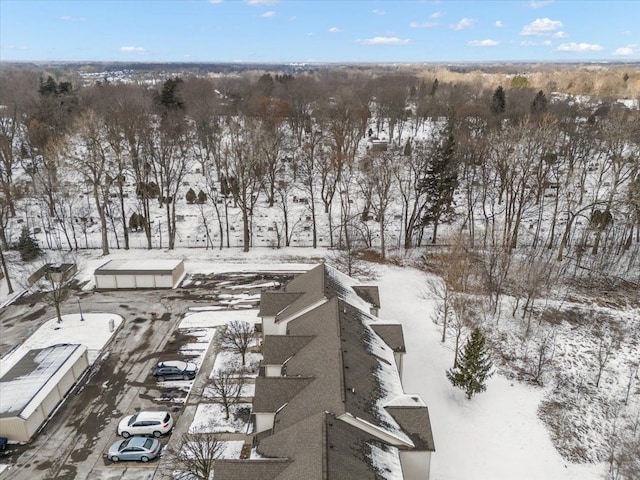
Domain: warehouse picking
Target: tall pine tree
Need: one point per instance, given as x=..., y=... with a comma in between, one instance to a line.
x=498, y=101
x=474, y=366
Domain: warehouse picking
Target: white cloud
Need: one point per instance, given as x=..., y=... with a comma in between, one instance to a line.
x=384, y=41
x=423, y=24
x=529, y=43
x=436, y=15
x=626, y=33
x=268, y=14
x=499, y=23
x=14, y=47
x=627, y=50
x=560, y=35
x=541, y=26
x=579, y=47
x=539, y=3
x=68, y=18
x=262, y=2
x=463, y=24
x=132, y=49
x=379, y=12
x=215, y=1
x=483, y=43
x=334, y=30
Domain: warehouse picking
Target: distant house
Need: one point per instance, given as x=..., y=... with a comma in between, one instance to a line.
x=137, y=274
x=329, y=402
x=32, y=388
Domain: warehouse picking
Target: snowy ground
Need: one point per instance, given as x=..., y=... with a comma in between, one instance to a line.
x=210, y=418
x=496, y=435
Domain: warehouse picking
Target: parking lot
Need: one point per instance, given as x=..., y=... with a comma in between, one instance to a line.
x=72, y=444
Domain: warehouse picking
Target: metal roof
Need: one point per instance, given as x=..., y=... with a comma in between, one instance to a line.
x=34, y=376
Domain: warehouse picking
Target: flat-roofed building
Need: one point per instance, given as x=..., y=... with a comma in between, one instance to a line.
x=136, y=274
x=32, y=388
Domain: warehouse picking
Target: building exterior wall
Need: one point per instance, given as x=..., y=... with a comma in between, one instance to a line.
x=264, y=421
x=415, y=465
x=273, y=370
x=269, y=326
x=132, y=280
x=14, y=428
x=398, y=357
x=145, y=281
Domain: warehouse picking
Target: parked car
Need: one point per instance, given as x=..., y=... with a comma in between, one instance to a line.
x=146, y=423
x=135, y=448
x=174, y=370
x=3, y=443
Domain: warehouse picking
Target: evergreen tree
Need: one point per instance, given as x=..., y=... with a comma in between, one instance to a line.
x=440, y=183
x=474, y=366
x=190, y=196
x=498, y=101
x=202, y=197
x=539, y=103
x=169, y=97
x=28, y=246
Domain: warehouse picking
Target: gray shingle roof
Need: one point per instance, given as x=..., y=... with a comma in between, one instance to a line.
x=272, y=303
x=369, y=294
x=273, y=392
x=392, y=336
x=338, y=358
x=249, y=469
x=279, y=348
x=416, y=423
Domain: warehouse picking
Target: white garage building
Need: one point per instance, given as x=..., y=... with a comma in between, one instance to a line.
x=133, y=274
x=33, y=387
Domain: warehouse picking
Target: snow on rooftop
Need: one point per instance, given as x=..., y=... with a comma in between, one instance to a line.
x=407, y=400
x=93, y=331
x=136, y=264
x=24, y=394
x=386, y=462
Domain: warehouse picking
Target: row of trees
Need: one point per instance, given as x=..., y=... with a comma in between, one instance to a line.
x=509, y=166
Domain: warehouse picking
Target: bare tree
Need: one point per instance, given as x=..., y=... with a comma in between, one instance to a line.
x=244, y=169
x=607, y=345
x=55, y=283
x=95, y=166
x=544, y=350
x=238, y=337
x=224, y=387
x=194, y=455
x=168, y=147
x=379, y=172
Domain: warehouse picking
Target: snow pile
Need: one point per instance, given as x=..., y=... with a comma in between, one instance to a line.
x=92, y=330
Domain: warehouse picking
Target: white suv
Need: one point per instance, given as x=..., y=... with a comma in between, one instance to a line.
x=146, y=423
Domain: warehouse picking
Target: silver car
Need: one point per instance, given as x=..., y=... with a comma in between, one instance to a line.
x=140, y=449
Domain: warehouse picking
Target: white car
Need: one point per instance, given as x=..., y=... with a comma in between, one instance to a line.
x=146, y=423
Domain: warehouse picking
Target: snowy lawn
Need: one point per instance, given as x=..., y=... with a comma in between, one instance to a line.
x=233, y=361
x=216, y=318
x=495, y=435
x=210, y=418
x=94, y=332
x=248, y=390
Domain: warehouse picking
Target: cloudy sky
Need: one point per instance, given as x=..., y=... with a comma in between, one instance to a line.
x=320, y=30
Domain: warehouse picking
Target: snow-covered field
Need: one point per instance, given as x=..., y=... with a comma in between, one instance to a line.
x=495, y=435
